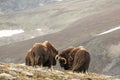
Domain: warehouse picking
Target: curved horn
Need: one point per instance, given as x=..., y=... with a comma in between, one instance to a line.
x=64, y=60
x=57, y=57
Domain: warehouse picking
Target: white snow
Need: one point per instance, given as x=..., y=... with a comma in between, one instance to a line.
x=6, y=33
x=32, y=37
x=41, y=4
x=39, y=29
x=22, y=64
x=27, y=73
x=59, y=0
x=42, y=69
x=108, y=31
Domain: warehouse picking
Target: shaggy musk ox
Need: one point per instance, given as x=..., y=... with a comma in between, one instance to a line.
x=42, y=54
x=81, y=60
x=77, y=60
x=63, y=58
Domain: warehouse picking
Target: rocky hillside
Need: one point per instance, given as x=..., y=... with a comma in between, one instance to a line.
x=22, y=72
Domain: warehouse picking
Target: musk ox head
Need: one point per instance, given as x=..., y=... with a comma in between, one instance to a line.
x=63, y=58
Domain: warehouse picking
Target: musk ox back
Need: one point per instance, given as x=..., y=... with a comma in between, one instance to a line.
x=81, y=60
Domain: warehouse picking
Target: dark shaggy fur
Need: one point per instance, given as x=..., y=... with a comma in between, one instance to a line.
x=81, y=61
x=78, y=59
x=43, y=54
x=71, y=57
x=29, y=59
x=65, y=54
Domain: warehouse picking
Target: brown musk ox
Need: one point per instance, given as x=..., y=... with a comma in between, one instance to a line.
x=63, y=58
x=77, y=59
x=44, y=54
x=29, y=59
x=81, y=60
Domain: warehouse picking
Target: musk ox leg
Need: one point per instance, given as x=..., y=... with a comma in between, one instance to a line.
x=27, y=61
x=41, y=66
x=52, y=68
x=40, y=62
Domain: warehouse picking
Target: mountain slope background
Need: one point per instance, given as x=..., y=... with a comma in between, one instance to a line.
x=76, y=28
x=9, y=6
x=49, y=18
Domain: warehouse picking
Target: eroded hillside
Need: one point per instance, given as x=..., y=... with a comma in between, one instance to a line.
x=22, y=72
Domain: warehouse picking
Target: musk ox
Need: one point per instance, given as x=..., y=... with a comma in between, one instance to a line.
x=81, y=60
x=43, y=54
x=77, y=60
x=63, y=58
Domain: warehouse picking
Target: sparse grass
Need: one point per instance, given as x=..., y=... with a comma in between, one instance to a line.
x=41, y=74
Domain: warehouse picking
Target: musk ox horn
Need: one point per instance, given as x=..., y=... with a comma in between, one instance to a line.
x=64, y=60
x=57, y=57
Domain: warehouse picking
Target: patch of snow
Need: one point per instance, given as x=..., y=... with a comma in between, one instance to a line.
x=27, y=73
x=108, y=31
x=32, y=37
x=41, y=70
x=58, y=72
x=21, y=71
x=70, y=72
x=39, y=29
x=23, y=64
x=16, y=70
x=41, y=4
x=6, y=33
x=59, y=0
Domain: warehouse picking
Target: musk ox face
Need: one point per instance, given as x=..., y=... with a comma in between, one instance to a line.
x=62, y=58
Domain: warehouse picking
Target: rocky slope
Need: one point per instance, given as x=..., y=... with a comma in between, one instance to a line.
x=22, y=72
